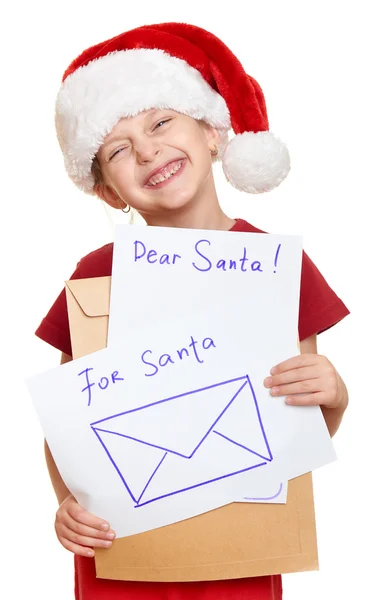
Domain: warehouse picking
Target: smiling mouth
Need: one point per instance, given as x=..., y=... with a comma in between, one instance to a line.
x=167, y=173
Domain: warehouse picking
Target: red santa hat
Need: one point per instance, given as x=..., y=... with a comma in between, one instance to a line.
x=176, y=66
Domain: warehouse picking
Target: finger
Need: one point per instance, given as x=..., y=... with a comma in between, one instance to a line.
x=301, y=387
x=76, y=548
x=81, y=529
x=292, y=376
x=81, y=540
x=296, y=362
x=79, y=514
x=316, y=399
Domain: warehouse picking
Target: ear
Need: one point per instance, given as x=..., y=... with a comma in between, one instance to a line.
x=108, y=195
x=212, y=135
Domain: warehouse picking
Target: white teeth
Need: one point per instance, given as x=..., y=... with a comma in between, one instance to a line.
x=160, y=178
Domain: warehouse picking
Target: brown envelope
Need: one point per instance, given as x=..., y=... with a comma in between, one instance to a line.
x=238, y=540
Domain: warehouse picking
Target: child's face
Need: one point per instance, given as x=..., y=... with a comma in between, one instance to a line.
x=140, y=145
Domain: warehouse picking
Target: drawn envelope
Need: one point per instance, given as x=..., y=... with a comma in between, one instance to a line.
x=171, y=446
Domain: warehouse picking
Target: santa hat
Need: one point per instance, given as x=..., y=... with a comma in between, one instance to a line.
x=176, y=66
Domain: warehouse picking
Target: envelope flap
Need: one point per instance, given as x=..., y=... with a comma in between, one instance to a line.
x=92, y=294
x=194, y=414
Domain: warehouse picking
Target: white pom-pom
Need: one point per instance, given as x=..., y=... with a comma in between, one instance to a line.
x=256, y=162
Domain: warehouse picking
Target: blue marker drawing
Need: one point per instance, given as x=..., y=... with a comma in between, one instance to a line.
x=145, y=457
x=276, y=257
x=268, y=497
x=103, y=383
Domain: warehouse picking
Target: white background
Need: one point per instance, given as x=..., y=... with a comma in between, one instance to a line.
x=316, y=64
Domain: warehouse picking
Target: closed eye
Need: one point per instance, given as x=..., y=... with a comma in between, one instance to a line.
x=118, y=151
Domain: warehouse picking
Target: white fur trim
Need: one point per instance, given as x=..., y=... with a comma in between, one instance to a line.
x=95, y=97
x=256, y=162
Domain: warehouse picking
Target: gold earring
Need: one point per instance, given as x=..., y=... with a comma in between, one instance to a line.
x=126, y=210
x=214, y=151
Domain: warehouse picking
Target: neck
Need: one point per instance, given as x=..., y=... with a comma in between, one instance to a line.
x=202, y=212
x=193, y=220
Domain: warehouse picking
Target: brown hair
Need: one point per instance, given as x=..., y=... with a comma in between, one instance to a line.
x=96, y=171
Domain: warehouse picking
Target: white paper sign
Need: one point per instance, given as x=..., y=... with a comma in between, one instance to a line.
x=167, y=274
x=149, y=448
x=140, y=460
x=226, y=301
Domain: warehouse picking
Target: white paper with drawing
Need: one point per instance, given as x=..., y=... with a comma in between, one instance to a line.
x=145, y=450
x=143, y=460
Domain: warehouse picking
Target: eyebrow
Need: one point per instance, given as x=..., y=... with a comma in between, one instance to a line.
x=116, y=138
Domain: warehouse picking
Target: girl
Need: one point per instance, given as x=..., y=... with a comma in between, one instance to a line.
x=140, y=118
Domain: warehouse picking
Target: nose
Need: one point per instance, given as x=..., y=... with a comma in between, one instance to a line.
x=146, y=151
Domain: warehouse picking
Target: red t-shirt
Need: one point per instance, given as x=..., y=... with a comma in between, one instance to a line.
x=320, y=308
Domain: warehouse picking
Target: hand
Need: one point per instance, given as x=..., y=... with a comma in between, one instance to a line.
x=79, y=530
x=310, y=375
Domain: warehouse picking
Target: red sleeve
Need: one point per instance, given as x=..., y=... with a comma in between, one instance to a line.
x=320, y=307
x=54, y=328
